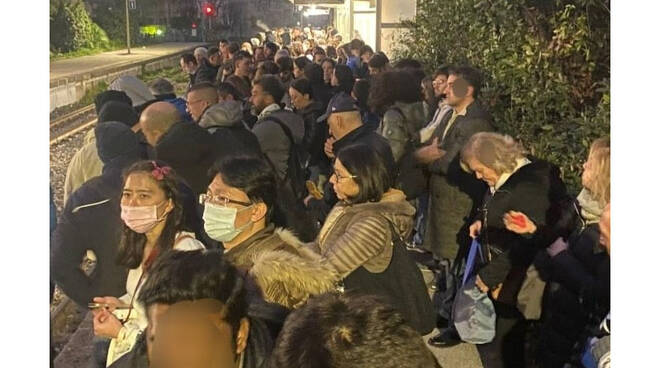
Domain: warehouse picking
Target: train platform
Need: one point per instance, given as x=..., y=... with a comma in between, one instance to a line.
x=70, y=68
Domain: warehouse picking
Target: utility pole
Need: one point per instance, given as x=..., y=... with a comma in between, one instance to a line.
x=128, y=31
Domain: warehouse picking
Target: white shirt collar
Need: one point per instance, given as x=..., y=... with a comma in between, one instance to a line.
x=505, y=176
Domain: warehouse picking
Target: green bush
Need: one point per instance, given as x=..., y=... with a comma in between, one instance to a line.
x=72, y=29
x=545, y=65
x=111, y=16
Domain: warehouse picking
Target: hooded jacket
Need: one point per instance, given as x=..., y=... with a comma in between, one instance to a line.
x=91, y=221
x=224, y=121
x=189, y=150
x=86, y=164
x=136, y=89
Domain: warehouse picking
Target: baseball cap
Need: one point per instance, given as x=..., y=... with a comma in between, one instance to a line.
x=340, y=102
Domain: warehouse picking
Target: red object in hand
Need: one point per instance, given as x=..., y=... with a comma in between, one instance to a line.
x=519, y=220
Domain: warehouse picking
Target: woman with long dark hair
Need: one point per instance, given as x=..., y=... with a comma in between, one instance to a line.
x=153, y=222
x=397, y=95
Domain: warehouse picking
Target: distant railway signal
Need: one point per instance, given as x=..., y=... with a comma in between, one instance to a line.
x=208, y=9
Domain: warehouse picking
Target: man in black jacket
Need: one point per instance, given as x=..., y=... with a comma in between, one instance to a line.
x=91, y=221
x=452, y=191
x=208, y=67
x=188, y=148
x=189, y=66
x=345, y=128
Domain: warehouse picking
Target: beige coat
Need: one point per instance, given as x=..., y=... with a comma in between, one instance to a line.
x=84, y=165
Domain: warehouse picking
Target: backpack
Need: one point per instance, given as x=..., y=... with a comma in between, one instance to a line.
x=296, y=172
x=413, y=177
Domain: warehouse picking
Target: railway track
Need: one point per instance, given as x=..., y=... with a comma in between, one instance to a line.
x=71, y=123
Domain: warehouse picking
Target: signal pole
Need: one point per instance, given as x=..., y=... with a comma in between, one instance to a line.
x=128, y=31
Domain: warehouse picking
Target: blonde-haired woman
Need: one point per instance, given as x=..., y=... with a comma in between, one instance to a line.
x=575, y=264
x=517, y=182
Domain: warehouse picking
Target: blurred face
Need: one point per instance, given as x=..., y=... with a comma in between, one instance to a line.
x=298, y=100
x=187, y=68
x=297, y=72
x=195, y=105
x=483, y=173
x=366, y=57
x=260, y=99
x=343, y=182
x=374, y=71
x=268, y=53
x=457, y=90
x=318, y=58
x=141, y=189
x=214, y=59
x=439, y=85
x=194, y=335
x=243, y=67
x=223, y=48
x=259, y=55
x=328, y=71
x=334, y=81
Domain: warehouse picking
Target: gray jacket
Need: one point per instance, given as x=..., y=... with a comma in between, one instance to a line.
x=274, y=142
x=399, y=129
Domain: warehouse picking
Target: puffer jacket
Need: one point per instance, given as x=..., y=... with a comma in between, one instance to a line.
x=360, y=242
x=401, y=123
x=359, y=235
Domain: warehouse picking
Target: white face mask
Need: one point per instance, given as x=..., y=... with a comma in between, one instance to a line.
x=219, y=222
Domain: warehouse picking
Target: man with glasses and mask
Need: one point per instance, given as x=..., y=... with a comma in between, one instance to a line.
x=238, y=211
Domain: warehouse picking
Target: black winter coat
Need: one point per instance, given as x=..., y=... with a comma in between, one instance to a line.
x=531, y=190
x=234, y=140
x=90, y=220
x=189, y=150
x=315, y=133
x=206, y=72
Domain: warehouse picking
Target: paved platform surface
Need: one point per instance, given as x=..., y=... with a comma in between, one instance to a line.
x=85, y=64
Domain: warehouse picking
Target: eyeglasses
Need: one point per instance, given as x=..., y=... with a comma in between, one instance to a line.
x=339, y=177
x=218, y=199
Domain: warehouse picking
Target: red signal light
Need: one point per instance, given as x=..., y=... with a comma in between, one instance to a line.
x=194, y=25
x=208, y=9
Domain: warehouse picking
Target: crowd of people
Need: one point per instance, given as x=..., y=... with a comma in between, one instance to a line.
x=281, y=212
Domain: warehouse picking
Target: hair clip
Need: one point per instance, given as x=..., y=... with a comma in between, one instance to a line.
x=160, y=172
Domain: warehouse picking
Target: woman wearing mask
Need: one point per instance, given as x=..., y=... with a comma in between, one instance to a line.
x=152, y=212
x=360, y=237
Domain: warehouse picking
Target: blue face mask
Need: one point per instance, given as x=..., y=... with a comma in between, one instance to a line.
x=219, y=222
